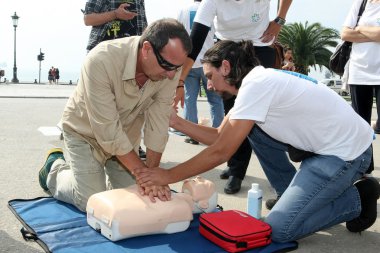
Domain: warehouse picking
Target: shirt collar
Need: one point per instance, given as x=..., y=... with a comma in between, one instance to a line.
x=131, y=59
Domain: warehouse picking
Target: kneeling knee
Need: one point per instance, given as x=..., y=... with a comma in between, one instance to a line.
x=281, y=232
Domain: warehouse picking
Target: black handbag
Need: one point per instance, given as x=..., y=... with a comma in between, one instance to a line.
x=340, y=57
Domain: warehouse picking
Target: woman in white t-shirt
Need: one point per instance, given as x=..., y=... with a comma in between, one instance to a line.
x=364, y=64
x=275, y=108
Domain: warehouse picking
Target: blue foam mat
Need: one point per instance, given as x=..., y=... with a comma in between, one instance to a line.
x=60, y=228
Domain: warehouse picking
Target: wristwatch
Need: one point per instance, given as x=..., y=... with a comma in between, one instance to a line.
x=280, y=21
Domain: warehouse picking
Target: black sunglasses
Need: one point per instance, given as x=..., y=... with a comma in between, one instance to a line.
x=162, y=62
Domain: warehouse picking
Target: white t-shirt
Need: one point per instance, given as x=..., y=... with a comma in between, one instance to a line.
x=186, y=17
x=306, y=115
x=236, y=20
x=364, y=65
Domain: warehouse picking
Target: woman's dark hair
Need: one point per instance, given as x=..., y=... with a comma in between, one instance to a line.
x=159, y=32
x=287, y=48
x=240, y=55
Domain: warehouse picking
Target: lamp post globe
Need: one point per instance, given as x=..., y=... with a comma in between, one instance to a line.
x=15, y=23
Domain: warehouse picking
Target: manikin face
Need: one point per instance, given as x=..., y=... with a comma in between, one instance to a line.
x=216, y=80
x=165, y=64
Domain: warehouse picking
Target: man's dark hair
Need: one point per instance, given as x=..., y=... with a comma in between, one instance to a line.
x=159, y=32
x=240, y=55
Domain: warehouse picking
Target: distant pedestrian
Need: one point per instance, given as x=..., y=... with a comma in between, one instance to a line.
x=56, y=75
x=50, y=75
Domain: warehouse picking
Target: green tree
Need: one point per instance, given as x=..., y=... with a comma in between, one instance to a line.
x=309, y=44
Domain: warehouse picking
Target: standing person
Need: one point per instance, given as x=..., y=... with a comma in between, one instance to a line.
x=364, y=64
x=53, y=74
x=238, y=20
x=112, y=19
x=276, y=109
x=196, y=77
x=56, y=75
x=50, y=75
x=125, y=86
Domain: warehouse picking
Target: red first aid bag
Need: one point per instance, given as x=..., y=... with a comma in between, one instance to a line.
x=234, y=230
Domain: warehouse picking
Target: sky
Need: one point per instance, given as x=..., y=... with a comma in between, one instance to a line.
x=57, y=28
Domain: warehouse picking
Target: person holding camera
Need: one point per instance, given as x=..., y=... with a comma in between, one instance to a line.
x=112, y=19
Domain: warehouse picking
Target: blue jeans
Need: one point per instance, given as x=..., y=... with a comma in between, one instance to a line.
x=192, y=87
x=320, y=195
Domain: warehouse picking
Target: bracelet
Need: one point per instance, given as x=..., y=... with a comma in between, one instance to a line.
x=180, y=86
x=181, y=81
x=280, y=21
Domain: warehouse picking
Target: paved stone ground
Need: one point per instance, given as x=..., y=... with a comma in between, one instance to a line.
x=26, y=108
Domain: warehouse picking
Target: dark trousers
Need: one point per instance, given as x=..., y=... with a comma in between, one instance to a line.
x=362, y=101
x=239, y=162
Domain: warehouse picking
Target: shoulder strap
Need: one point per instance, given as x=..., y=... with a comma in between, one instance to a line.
x=361, y=10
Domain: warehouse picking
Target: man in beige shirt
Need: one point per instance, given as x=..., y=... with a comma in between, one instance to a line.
x=123, y=83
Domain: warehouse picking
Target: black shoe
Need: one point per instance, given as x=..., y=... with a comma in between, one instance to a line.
x=271, y=202
x=233, y=185
x=225, y=173
x=377, y=130
x=142, y=154
x=191, y=141
x=369, y=191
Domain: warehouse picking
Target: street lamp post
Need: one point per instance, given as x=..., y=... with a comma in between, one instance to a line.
x=15, y=22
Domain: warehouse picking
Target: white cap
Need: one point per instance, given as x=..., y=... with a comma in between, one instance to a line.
x=255, y=186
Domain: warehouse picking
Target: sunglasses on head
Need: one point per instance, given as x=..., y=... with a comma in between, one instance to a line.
x=162, y=62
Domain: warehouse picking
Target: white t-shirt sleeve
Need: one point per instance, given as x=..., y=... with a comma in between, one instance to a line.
x=352, y=16
x=206, y=13
x=254, y=99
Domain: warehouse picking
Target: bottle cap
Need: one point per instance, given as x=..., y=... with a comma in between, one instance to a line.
x=255, y=186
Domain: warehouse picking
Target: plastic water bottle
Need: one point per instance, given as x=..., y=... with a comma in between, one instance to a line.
x=255, y=197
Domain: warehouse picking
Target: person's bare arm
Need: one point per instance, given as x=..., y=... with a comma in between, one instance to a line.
x=96, y=19
x=204, y=134
x=352, y=35
x=371, y=32
x=273, y=28
x=230, y=138
x=180, y=92
x=152, y=158
x=131, y=161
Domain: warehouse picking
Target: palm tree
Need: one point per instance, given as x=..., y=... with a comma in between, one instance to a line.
x=309, y=44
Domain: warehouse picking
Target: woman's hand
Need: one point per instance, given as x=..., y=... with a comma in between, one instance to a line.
x=271, y=32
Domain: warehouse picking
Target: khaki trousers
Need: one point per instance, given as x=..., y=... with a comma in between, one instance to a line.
x=81, y=175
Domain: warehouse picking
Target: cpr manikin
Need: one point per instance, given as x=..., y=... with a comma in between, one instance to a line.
x=124, y=213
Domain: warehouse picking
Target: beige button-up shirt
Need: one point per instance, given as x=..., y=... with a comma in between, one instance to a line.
x=107, y=108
